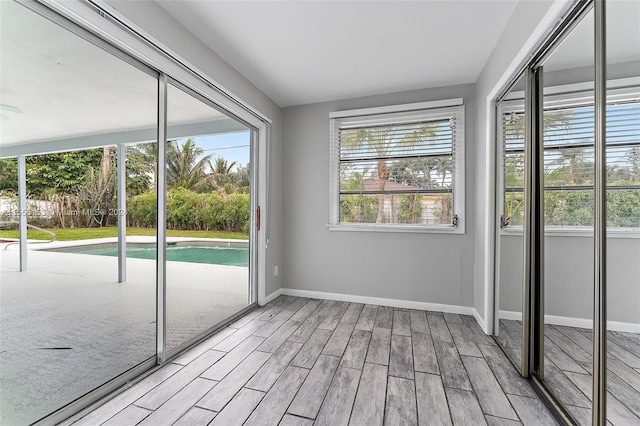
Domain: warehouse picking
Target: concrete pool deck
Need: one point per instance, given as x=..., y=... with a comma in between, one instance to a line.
x=67, y=326
x=37, y=245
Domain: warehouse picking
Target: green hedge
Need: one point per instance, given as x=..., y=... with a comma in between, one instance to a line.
x=192, y=211
x=575, y=208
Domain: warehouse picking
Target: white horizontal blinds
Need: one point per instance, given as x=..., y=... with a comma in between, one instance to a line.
x=568, y=145
x=623, y=146
x=397, y=168
x=513, y=149
x=569, y=162
x=623, y=164
x=512, y=122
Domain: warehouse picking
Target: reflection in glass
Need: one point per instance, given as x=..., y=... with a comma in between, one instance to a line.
x=568, y=135
x=67, y=325
x=623, y=213
x=208, y=217
x=9, y=208
x=510, y=208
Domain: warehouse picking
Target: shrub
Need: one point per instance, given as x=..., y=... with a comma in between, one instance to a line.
x=410, y=208
x=141, y=210
x=358, y=208
x=187, y=210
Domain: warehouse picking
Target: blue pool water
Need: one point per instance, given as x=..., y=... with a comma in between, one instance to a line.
x=233, y=256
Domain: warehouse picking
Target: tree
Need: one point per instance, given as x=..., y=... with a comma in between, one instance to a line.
x=572, y=164
x=382, y=141
x=553, y=121
x=99, y=195
x=9, y=175
x=222, y=172
x=140, y=174
x=356, y=208
x=187, y=167
x=514, y=129
x=633, y=156
x=242, y=178
x=414, y=172
x=146, y=156
x=410, y=209
x=61, y=173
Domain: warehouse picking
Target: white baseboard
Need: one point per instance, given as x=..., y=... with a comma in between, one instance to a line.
x=626, y=327
x=510, y=315
x=394, y=303
x=481, y=321
x=272, y=296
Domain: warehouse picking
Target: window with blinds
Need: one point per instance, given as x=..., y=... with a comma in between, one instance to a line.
x=399, y=169
x=569, y=161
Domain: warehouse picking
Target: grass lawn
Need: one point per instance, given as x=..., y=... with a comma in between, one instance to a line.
x=72, y=234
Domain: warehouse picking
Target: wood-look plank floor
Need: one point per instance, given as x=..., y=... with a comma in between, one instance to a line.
x=568, y=365
x=298, y=361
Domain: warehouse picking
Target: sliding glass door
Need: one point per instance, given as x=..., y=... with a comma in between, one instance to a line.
x=623, y=212
x=575, y=252
x=128, y=205
x=208, y=172
x=568, y=194
x=510, y=209
x=67, y=324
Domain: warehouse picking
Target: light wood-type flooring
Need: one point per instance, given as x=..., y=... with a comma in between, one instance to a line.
x=568, y=365
x=298, y=361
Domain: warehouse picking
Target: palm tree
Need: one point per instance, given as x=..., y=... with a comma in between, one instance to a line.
x=552, y=121
x=222, y=174
x=382, y=141
x=573, y=164
x=187, y=167
x=513, y=167
x=444, y=167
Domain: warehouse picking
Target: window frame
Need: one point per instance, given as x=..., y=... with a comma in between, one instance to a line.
x=440, y=109
x=568, y=95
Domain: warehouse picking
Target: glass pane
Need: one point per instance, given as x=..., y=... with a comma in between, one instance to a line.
x=208, y=217
x=408, y=175
x=8, y=209
x=421, y=209
x=568, y=197
x=67, y=325
x=510, y=210
x=623, y=214
x=419, y=138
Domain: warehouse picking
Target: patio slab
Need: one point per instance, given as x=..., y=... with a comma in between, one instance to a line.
x=67, y=326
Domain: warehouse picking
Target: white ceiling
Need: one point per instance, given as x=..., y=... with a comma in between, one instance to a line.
x=623, y=39
x=300, y=52
x=56, y=85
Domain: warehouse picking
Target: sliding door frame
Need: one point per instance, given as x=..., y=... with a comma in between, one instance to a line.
x=532, y=359
x=532, y=295
x=599, y=368
x=111, y=32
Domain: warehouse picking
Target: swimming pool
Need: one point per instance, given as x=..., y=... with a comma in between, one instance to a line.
x=216, y=255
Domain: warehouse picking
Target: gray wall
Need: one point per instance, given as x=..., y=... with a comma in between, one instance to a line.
x=432, y=268
x=568, y=277
x=164, y=28
x=522, y=25
x=568, y=259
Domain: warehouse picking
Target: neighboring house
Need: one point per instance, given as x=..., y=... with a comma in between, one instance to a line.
x=430, y=202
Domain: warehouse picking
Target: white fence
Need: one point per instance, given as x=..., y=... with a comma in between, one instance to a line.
x=35, y=208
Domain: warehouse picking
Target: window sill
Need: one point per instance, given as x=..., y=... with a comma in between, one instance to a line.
x=397, y=229
x=577, y=232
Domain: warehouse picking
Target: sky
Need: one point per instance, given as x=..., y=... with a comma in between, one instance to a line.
x=230, y=146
